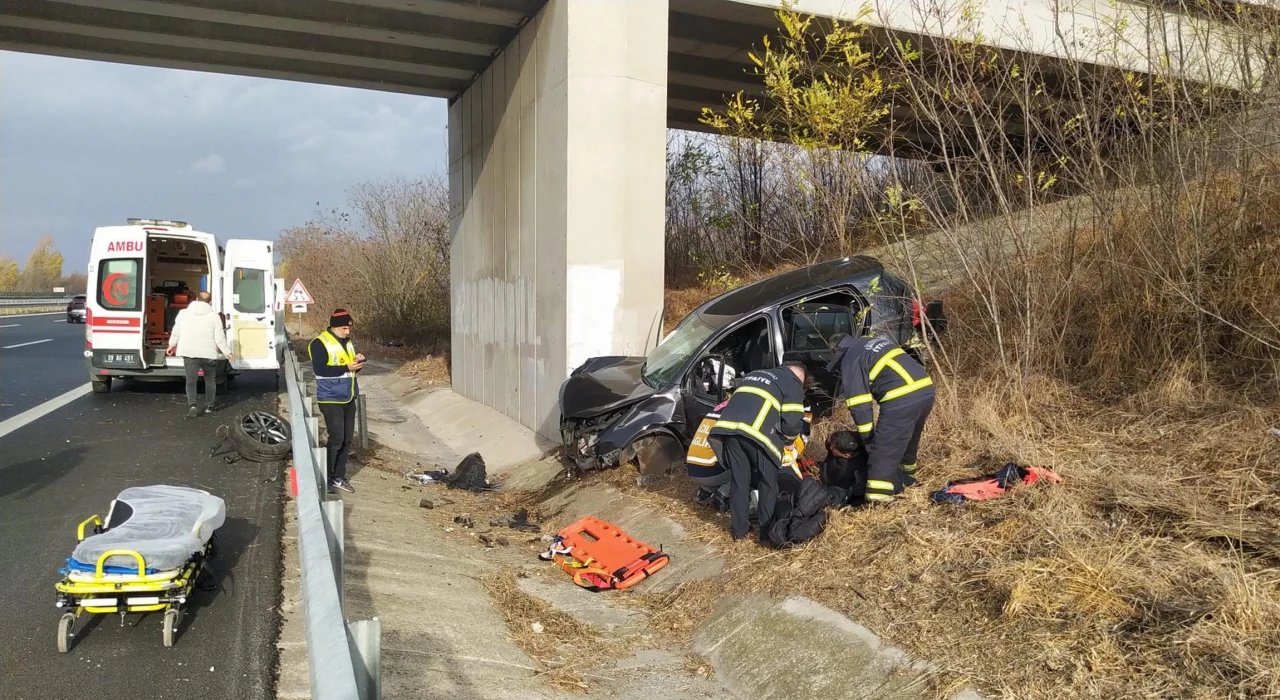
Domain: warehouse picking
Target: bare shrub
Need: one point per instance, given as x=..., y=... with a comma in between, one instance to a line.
x=385, y=258
x=1107, y=242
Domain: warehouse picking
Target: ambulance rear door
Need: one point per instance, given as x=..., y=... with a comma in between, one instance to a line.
x=248, y=303
x=114, y=304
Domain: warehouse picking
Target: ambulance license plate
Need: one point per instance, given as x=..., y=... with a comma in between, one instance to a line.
x=119, y=359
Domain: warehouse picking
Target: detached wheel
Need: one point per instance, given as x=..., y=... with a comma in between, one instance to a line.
x=65, y=633
x=171, y=617
x=102, y=385
x=260, y=436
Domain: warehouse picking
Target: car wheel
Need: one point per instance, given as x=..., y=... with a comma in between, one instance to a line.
x=262, y=437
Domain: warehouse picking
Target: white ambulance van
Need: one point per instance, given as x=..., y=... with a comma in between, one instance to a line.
x=142, y=274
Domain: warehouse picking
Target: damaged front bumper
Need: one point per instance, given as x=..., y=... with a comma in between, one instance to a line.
x=582, y=444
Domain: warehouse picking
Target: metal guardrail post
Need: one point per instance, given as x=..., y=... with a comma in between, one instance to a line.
x=364, y=423
x=336, y=531
x=365, y=637
x=344, y=659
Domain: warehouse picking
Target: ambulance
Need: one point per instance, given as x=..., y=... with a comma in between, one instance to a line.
x=143, y=274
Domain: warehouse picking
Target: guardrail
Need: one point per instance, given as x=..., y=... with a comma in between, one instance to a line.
x=34, y=295
x=33, y=301
x=344, y=658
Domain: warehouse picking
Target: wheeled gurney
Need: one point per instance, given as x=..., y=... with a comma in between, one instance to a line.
x=145, y=557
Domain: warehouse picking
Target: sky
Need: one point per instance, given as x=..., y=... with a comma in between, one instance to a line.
x=86, y=144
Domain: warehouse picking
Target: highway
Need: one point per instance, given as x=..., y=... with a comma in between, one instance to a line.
x=30, y=348
x=68, y=464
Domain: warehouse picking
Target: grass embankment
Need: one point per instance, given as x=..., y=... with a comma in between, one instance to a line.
x=1154, y=571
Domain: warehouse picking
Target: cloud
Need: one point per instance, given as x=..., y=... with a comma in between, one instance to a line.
x=211, y=164
x=89, y=144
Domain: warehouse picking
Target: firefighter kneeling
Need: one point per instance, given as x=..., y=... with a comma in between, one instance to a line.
x=876, y=370
x=764, y=416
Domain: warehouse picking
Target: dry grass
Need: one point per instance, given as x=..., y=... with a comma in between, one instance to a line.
x=432, y=370
x=563, y=648
x=1151, y=573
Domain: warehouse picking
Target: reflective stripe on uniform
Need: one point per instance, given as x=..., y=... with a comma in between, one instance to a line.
x=879, y=497
x=753, y=432
x=701, y=461
x=859, y=399
x=879, y=485
x=769, y=399
x=908, y=468
x=793, y=408
x=865, y=427
x=904, y=390
x=875, y=371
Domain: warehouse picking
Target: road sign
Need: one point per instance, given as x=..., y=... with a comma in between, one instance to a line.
x=298, y=294
x=299, y=308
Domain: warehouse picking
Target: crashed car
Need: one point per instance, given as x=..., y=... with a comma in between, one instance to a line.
x=618, y=409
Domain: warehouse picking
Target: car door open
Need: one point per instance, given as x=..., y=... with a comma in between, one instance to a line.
x=248, y=304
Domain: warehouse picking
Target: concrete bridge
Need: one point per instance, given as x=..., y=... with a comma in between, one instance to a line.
x=557, y=118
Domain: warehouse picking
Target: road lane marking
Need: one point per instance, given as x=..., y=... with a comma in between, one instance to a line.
x=11, y=325
x=23, y=345
x=61, y=320
x=33, y=414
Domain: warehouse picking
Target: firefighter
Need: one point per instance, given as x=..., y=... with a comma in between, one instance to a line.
x=756, y=428
x=875, y=369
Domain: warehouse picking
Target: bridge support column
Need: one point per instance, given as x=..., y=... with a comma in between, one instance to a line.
x=557, y=165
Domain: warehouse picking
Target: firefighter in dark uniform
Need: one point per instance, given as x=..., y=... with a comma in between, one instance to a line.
x=764, y=416
x=875, y=369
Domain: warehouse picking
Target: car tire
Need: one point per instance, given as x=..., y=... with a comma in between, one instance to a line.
x=260, y=436
x=101, y=385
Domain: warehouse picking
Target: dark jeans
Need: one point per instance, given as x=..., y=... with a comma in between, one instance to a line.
x=340, y=422
x=748, y=464
x=192, y=366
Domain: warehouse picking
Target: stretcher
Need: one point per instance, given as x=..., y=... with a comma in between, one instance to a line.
x=601, y=557
x=145, y=557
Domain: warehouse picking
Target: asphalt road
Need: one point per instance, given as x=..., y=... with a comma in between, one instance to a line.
x=40, y=358
x=68, y=465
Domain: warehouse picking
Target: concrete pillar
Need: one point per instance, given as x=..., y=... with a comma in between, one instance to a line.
x=557, y=184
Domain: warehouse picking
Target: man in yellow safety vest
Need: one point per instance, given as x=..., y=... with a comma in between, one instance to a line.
x=335, y=361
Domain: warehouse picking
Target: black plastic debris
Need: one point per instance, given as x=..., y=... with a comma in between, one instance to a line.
x=471, y=474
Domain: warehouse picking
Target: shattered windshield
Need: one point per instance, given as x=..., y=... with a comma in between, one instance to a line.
x=664, y=361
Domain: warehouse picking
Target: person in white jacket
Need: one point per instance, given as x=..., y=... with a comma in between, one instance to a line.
x=198, y=338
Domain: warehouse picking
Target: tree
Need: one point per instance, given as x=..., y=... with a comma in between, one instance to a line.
x=43, y=270
x=8, y=274
x=75, y=283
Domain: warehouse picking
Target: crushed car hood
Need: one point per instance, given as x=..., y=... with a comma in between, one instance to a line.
x=603, y=384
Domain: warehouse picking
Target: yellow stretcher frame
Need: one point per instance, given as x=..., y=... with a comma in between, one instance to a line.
x=172, y=586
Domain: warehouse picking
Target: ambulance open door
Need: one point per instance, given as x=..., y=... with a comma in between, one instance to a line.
x=248, y=303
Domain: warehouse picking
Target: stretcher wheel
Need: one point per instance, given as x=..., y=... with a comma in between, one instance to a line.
x=170, y=625
x=65, y=633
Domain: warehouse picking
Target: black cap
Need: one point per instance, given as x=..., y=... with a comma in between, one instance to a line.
x=339, y=318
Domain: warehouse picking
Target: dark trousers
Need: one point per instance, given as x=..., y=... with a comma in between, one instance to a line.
x=340, y=423
x=748, y=464
x=897, y=436
x=192, y=366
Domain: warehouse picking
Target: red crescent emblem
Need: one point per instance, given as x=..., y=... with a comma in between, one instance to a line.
x=115, y=288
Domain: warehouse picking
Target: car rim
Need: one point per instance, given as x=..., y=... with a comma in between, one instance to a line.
x=265, y=428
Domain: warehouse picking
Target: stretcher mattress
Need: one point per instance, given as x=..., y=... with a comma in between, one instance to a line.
x=165, y=524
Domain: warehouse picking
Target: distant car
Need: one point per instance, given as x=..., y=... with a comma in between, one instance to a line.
x=75, y=309
x=615, y=409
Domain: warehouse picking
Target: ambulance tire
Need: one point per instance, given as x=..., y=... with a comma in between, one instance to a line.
x=101, y=386
x=261, y=437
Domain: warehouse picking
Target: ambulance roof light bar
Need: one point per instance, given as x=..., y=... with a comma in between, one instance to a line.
x=159, y=222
